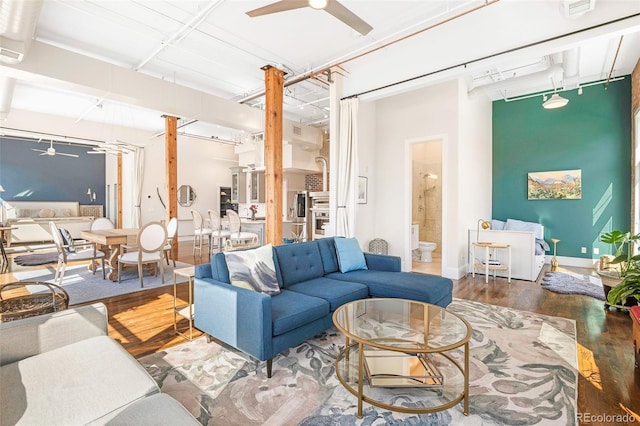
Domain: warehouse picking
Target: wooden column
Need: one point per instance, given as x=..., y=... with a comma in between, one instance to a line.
x=171, y=167
x=273, y=79
x=119, y=223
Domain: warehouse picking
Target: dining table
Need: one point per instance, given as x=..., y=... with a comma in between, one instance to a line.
x=110, y=241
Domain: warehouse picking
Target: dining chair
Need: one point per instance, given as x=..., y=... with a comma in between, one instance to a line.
x=217, y=233
x=65, y=256
x=102, y=223
x=172, y=228
x=238, y=238
x=151, y=241
x=199, y=232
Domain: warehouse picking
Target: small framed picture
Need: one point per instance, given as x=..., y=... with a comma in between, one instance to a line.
x=362, y=190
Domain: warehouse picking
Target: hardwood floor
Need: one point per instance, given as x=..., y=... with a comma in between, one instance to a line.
x=609, y=385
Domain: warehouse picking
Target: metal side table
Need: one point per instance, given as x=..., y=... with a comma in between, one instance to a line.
x=185, y=311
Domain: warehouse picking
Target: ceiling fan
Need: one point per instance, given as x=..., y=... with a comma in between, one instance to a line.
x=112, y=147
x=52, y=151
x=333, y=7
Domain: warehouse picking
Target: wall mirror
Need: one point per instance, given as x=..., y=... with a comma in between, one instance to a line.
x=186, y=195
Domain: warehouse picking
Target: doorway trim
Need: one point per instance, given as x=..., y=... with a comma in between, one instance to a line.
x=408, y=183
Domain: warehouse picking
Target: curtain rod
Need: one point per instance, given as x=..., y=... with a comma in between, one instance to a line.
x=493, y=55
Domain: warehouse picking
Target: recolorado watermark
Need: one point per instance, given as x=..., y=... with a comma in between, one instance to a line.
x=606, y=418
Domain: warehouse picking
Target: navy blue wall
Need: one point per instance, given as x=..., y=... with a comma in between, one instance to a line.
x=28, y=176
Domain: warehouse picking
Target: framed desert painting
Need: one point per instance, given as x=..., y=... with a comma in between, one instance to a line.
x=555, y=185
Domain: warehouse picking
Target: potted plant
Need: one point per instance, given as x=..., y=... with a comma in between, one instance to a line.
x=625, y=290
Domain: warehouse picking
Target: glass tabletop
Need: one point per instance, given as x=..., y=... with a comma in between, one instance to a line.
x=400, y=325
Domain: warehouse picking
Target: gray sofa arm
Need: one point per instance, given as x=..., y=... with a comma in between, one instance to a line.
x=26, y=337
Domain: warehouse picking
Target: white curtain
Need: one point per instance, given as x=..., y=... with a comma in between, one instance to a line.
x=136, y=194
x=347, y=163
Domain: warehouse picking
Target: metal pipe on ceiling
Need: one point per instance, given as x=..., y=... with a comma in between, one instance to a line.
x=494, y=55
x=322, y=68
x=615, y=58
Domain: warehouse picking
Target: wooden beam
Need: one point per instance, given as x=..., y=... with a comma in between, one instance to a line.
x=171, y=167
x=274, y=79
x=119, y=223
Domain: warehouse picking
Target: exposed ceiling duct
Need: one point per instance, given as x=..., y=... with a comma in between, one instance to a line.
x=541, y=77
x=18, y=19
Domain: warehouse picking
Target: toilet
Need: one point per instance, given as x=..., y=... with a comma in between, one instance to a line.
x=426, y=248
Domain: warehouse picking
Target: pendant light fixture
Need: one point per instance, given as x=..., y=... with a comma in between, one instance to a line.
x=555, y=101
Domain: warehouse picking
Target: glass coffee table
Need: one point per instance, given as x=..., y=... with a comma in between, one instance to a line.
x=403, y=350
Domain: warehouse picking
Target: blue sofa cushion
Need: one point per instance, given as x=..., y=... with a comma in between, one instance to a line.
x=405, y=285
x=350, y=256
x=328, y=254
x=299, y=262
x=335, y=292
x=219, y=270
x=290, y=310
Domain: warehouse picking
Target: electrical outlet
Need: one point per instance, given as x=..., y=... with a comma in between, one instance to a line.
x=596, y=250
x=583, y=250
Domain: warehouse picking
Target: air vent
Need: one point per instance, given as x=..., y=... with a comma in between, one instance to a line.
x=574, y=8
x=10, y=56
x=297, y=130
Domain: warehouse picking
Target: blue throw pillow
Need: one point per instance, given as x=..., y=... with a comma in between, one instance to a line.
x=350, y=256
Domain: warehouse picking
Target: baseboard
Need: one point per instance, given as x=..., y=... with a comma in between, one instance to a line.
x=578, y=262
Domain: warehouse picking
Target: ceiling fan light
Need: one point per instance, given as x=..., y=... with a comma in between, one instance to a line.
x=317, y=4
x=555, y=101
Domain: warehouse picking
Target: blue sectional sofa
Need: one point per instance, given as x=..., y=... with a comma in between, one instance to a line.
x=311, y=289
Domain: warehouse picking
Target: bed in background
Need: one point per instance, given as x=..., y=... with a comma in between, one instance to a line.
x=527, y=247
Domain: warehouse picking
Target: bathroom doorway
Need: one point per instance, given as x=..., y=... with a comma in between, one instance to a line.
x=426, y=207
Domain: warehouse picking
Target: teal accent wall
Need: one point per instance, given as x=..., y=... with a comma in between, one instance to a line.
x=592, y=133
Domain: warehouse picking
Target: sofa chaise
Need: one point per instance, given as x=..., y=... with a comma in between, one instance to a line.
x=311, y=287
x=63, y=369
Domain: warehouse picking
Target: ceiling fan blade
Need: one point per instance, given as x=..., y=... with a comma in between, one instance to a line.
x=348, y=17
x=66, y=155
x=279, y=6
x=38, y=150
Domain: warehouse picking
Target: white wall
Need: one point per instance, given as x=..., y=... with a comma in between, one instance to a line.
x=475, y=159
x=202, y=164
x=366, y=214
x=437, y=112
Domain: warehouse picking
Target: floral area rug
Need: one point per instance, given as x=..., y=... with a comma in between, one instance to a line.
x=523, y=371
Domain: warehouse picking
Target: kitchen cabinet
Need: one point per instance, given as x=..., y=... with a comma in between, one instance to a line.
x=257, y=187
x=225, y=201
x=238, y=185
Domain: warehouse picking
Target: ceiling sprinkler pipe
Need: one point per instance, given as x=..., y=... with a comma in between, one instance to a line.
x=324, y=172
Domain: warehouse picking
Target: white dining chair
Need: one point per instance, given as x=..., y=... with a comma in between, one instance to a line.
x=102, y=223
x=172, y=228
x=217, y=233
x=199, y=232
x=151, y=240
x=238, y=238
x=65, y=256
